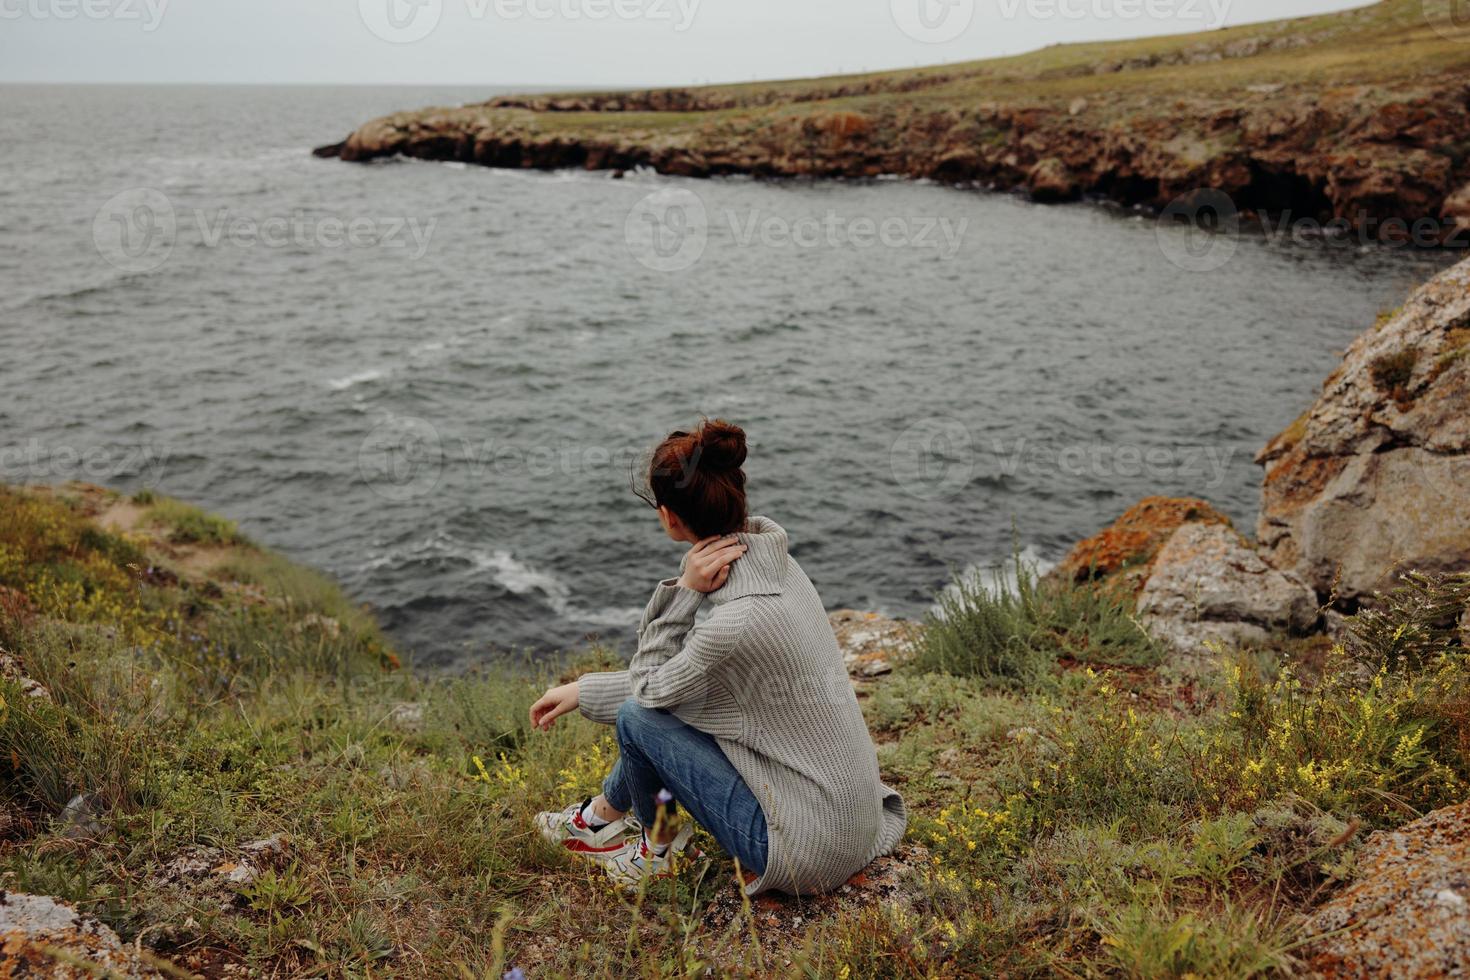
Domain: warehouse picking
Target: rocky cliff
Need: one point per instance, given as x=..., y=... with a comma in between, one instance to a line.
x=1370, y=482
x=1374, y=478
x=1357, y=116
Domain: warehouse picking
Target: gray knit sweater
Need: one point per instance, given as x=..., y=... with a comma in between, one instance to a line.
x=764, y=676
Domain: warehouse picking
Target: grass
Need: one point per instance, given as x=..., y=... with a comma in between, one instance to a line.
x=1069, y=816
x=1394, y=42
x=186, y=523
x=1014, y=634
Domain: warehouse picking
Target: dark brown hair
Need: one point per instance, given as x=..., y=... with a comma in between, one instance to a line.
x=697, y=475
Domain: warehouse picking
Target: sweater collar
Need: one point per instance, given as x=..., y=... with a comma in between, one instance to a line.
x=762, y=569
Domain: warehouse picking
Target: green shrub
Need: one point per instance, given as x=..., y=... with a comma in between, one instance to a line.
x=1412, y=624
x=1387, y=748
x=1158, y=942
x=1393, y=372
x=190, y=525
x=1014, y=635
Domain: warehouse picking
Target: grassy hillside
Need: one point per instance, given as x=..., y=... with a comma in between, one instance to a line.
x=1380, y=43
x=263, y=788
x=1358, y=115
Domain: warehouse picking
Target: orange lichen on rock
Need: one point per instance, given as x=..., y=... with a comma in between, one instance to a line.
x=1133, y=540
x=846, y=123
x=1408, y=913
x=43, y=937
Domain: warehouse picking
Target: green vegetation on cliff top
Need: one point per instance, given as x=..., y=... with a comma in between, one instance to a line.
x=1122, y=819
x=1389, y=42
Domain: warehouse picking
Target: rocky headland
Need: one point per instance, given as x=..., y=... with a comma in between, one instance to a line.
x=1358, y=118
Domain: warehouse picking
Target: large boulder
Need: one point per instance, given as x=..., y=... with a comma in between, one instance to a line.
x=1208, y=587
x=1127, y=547
x=34, y=929
x=1408, y=913
x=1375, y=478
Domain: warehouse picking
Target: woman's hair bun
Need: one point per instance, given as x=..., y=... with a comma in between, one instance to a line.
x=697, y=475
x=721, y=444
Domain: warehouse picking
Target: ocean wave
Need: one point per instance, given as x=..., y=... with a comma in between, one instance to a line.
x=97, y=288
x=361, y=377
x=507, y=571
x=515, y=575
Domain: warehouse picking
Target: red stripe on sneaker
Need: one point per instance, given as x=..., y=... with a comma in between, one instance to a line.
x=572, y=844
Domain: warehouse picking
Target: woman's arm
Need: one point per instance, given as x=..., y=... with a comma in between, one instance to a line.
x=667, y=620
x=674, y=656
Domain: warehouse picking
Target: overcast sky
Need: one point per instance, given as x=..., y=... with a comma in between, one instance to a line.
x=561, y=42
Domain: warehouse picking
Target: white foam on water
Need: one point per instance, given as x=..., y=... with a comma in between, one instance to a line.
x=511, y=573
x=998, y=576
x=352, y=380
x=609, y=616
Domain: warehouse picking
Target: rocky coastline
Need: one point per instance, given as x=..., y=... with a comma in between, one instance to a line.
x=1372, y=482
x=259, y=886
x=1312, y=118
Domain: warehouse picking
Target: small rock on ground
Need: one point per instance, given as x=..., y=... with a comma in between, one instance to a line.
x=31, y=925
x=871, y=644
x=894, y=880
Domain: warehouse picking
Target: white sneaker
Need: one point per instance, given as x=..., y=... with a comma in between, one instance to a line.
x=567, y=828
x=638, y=862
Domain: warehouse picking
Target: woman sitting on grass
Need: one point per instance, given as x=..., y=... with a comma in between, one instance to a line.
x=746, y=719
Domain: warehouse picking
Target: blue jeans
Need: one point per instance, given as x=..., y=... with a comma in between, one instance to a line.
x=658, y=751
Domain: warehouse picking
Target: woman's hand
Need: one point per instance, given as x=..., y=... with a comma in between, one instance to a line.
x=708, y=564
x=556, y=702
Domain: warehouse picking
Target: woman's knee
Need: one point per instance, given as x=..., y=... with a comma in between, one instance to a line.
x=634, y=721
x=630, y=720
